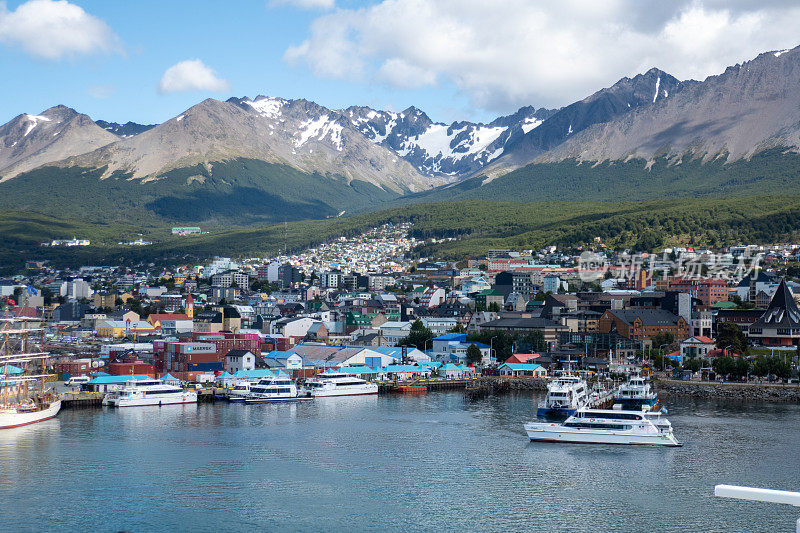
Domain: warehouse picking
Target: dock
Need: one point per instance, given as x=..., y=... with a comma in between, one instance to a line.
x=430, y=384
x=77, y=400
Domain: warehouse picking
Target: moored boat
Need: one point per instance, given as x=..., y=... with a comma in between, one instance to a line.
x=274, y=389
x=143, y=392
x=635, y=395
x=23, y=374
x=337, y=384
x=565, y=395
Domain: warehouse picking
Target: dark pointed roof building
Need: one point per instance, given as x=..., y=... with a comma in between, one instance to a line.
x=780, y=323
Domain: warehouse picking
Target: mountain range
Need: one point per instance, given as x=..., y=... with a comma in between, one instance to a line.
x=284, y=158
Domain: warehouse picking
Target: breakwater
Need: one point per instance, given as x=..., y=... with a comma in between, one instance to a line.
x=733, y=391
x=486, y=385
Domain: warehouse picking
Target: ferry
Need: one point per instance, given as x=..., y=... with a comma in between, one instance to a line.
x=606, y=426
x=274, y=389
x=23, y=372
x=149, y=392
x=336, y=384
x=636, y=395
x=565, y=395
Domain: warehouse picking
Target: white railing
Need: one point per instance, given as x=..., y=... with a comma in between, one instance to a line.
x=759, y=495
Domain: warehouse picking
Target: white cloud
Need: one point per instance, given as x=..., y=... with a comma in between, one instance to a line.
x=512, y=53
x=191, y=75
x=53, y=29
x=305, y=4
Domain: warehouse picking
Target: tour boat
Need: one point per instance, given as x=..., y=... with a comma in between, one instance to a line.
x=23, y=372
x=606, y=426
x=635, y=395
x=273, y=390
x=336, y=384
x=565, y=395
x=149, y=392
x=240, y=392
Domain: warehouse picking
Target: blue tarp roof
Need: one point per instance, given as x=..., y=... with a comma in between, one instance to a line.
x=258, y=373
x=461, y=337
x=433, y=364
x=113, y=380
x=169, y=377
x=363, y=369
x=451, y=366
x=478, y=344
x=224, y=375
x=404, y=368
x=98, y=374
x=520, y=366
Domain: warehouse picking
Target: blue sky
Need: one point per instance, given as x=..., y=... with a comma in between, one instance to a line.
x=244, y=45
x=454, y=59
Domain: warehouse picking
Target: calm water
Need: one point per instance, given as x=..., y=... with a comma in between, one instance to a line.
x=432, y=462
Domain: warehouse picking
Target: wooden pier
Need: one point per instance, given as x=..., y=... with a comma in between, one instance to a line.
x=431, y=384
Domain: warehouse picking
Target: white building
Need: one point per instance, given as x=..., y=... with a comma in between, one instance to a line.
x=292, y=327
x=393, y=331
x=236, y=360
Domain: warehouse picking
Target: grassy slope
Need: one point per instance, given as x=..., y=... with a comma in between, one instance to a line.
x=769, y=172
x=241, y=191
x=477, y=225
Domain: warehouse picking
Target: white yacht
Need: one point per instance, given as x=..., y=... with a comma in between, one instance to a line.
x=336, y=384
x=241, y=391
x=606, y=426
x=149, y=392
x=635, y=395
x=565, y=395
x=274, y=389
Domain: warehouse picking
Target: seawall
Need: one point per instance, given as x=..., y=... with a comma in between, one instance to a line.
x=733, y=391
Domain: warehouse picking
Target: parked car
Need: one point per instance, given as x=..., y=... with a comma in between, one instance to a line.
x=77, y=381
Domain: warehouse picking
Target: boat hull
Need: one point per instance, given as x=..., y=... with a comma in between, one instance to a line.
x=279, y=400
x=10, y=419
x=332, y=394
x=538, y=432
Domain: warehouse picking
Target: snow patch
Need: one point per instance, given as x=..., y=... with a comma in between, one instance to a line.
x=780, y=52
x=33, y=121
x=569, y=131
x=658, y=84
x=179, y=118
x=268, y=106
x=531, y=123
x=319, y=129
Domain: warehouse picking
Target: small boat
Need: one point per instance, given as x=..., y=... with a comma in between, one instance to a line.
x=274, y=389
x=410, y=389
x=565, y=395
x=636, y=395
x=606, y=426
x=337, y=384
x=149, y=392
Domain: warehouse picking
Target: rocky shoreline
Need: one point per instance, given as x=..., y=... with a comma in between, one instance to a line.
x=734, y=391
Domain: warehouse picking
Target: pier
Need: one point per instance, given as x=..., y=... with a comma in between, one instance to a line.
x=75, y=400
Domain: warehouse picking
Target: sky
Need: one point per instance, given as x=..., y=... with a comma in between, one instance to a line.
x=147, y=61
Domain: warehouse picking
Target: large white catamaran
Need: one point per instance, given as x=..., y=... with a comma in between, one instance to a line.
x=24, y=371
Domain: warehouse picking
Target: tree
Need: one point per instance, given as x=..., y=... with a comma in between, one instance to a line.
x=760, y=366
x=693, y=364
x=474, y=354
x=419, y=336
x=741, y=367
x=730, y=336
x=663, y=338
x=723, y=365
x=502, y=342
x=494, y=307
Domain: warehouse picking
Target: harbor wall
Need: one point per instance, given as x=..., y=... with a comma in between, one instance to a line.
x=733, y=391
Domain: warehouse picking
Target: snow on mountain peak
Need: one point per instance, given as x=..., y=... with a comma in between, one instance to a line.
x=33, y=121
x=267, y=106
x=319, y=129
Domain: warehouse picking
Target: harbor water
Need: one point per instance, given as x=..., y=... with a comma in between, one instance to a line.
x=420, y=463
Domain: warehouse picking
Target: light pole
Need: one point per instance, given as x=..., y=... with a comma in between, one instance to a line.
x=663, y=355
x=491, y=348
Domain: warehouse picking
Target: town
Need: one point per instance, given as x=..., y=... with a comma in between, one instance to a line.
x=361, y=305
